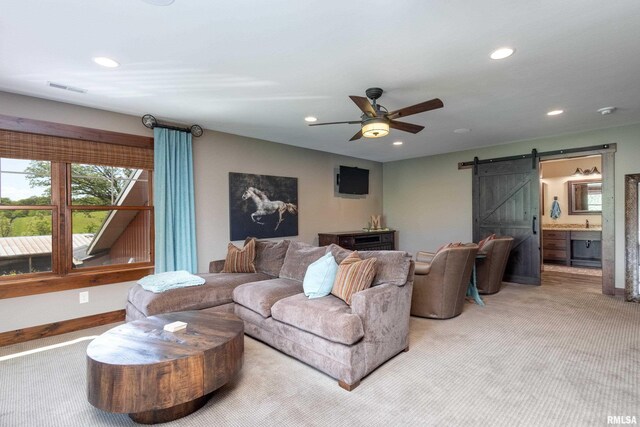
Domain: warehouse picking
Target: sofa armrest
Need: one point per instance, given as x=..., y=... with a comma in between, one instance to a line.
x=385, y=310
x=216, y=266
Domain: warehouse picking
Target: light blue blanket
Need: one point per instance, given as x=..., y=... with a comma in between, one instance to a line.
x=161, y=282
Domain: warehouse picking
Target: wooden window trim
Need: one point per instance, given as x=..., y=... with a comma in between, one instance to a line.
x=75, y=280
x=40, y=127
x=62, y=276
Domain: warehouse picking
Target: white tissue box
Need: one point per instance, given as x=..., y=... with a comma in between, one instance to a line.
x=175, y=326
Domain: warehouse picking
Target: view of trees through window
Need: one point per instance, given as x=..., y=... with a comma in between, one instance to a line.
x=98, y=222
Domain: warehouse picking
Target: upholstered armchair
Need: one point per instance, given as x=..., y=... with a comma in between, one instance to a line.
x=441, y=281
x=490, y=270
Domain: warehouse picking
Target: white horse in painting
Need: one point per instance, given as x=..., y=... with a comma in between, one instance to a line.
x=264, y=206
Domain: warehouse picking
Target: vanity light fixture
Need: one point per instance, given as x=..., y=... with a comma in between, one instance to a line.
x=586, y=172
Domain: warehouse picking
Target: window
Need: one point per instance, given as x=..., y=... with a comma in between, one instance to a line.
x=73, y=212
x=108, y=213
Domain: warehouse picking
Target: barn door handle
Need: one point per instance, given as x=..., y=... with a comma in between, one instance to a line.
x=533, y=225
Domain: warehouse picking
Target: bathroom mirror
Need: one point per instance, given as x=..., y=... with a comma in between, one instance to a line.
x=585, y=197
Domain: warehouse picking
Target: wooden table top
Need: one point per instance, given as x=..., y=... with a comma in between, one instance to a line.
x=157, y=376
x=144, y=342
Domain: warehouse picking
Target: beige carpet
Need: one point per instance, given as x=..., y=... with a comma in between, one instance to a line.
x=557, y=355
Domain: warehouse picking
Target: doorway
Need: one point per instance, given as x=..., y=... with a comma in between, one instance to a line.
x=571, y=220
x=485, y=220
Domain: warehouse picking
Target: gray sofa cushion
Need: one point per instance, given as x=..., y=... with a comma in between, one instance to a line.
x=391, y=267
x=217, y=290
x=328, y=317
x=270, y=256
x=338, y=252
x=299, y=256
x=261, y=296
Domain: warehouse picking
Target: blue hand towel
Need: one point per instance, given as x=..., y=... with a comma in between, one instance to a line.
x=555, y=210
x=161, y=282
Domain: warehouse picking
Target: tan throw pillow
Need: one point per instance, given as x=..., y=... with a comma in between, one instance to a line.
x=354, y=275
x=240, y=260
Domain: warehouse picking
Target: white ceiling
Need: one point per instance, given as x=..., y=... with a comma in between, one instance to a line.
x=257, y=68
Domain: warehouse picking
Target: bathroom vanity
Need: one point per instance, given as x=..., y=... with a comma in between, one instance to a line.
x=572, y=245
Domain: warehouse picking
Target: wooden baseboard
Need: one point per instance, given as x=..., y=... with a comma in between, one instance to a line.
x=62, y=327
x=619, y=292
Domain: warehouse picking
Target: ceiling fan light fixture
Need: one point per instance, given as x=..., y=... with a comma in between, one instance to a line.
x=375, y=128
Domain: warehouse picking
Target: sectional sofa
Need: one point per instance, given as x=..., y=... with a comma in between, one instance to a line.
x=345, y=341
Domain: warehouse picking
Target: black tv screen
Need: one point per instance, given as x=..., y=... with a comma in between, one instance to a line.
x=353, y=180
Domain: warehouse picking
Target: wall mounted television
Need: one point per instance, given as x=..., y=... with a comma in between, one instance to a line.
x=353, y=180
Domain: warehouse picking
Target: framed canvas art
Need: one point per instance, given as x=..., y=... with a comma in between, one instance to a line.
x=262, y=206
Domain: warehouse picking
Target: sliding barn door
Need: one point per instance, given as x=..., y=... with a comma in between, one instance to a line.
x=506, y=201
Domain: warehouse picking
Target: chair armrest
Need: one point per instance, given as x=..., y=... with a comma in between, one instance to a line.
x=216, y=266
x=385, y=311
x=423, y=268
x=422, y=256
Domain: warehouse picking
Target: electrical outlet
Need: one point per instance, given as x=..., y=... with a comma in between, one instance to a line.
x=84, y=297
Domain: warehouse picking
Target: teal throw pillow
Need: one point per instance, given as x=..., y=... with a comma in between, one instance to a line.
x=319, y=278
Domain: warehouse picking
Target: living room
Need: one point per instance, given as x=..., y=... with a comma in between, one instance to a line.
x=423, y=195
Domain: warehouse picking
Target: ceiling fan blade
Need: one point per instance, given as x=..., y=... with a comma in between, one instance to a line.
x=407, y=127
x=334, y=123
x=356, y=136
x=434, y=104
x=364, y=105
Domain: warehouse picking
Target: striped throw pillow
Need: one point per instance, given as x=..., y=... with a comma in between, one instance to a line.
x=354, y=275
x=240, y=260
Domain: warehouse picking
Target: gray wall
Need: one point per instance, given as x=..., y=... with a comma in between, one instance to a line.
x=429, y=200
x=216, y=154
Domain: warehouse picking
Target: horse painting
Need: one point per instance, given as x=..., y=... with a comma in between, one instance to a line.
x=264, y=206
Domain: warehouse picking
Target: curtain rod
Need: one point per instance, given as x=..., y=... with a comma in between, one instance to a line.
x=151, y=122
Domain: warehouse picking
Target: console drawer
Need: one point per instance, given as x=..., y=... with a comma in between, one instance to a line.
x=549, y=234
x=555, y=244
x=555, y=254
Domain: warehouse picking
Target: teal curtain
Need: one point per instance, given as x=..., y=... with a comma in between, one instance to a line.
x=173, y=200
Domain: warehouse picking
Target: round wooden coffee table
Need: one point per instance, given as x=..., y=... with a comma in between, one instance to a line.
x=157, y=376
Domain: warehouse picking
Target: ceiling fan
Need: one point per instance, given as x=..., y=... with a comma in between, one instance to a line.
x=376, y=119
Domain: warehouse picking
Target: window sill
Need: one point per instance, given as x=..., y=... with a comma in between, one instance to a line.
x=75, y=280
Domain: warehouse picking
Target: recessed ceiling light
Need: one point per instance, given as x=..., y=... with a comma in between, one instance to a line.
x=159, y=2
x=462, y=130
x=503, y=52
x=555, y=112
x=397, y=143
x=606, y=110
x=310, y=119
x=106, y=62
